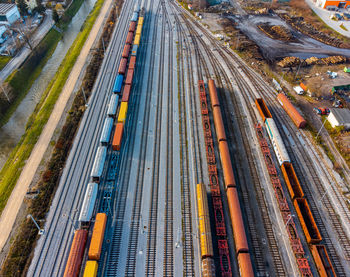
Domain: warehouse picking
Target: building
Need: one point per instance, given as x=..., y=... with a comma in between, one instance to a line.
x=332, y=5
x=339, y=117
x=8, y=13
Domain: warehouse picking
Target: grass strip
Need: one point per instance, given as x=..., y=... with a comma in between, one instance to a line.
x=21, y=80
x=14, y=165
x=3, y=61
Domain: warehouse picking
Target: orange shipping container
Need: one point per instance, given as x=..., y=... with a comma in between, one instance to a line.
x=213, y=93
x=122, y=66
x=303, y=86
x=292, y=181
x=126, y=93
x=76, y=254
x=118, y=136
x=219, y=124
x=132, y=62
x=322, y=261
x=129, y=77
x=307, y=221
x=263, y=109
x=229, y=177
x=237, y=221
x=298, y=120
x=97, y=237
x=245, y=265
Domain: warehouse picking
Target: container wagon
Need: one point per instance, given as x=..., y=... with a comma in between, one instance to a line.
x=229, y=177
x=292, y=181
x=97, y=237
x=134, y=17
x=307, y=221
x=76, y=254
x=118, y=83
x=129, y=38
x=126, y=51
x=277, y=142
x=113, y=105
x=118, y=136
x=106, y=131
x=298, y=120
x=99, y=162
x=237, y=221
x=122, y=66
x=126, y=93
x=123, y=112
x=88, y=204
x=91, y=268
x=132, y=26
x=132, y=62
x=129, y=77
x=134, y=50
x=263, y=109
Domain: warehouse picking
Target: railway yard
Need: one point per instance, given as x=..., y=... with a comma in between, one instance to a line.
x=188, y=163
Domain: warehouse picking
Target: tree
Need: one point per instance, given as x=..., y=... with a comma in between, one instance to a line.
x=55, y=16
x=25, y=31
x=40, y=7
x=23, y=7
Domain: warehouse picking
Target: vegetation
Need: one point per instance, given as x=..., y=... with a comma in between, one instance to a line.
x=20, y=81
x=18, y=258
x=3, y=61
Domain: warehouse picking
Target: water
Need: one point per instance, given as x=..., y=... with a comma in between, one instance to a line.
x=11, y=133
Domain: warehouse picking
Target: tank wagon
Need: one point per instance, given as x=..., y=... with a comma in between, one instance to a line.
x=239, y=233
x=307, y=221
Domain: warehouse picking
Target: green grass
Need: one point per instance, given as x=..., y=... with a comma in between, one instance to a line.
x=22, y=79
x=13, y=167
x=3, y=61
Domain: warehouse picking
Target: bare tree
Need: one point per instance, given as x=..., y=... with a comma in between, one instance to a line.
x=25, y=31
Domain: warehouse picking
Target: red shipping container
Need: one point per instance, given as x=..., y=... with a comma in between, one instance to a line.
x=129, y=38
x=132, y=26
x=132, y=62
x=129, y=77
x=118, y=136
x=122, y=66
x=126, y=51
x=126, y=93
x=76, y=254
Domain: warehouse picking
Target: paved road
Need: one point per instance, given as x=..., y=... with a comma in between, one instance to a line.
x=16, y=61
x=15, y=201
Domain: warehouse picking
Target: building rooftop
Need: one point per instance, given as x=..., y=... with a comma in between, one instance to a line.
x=342, y=115
x=4, y=8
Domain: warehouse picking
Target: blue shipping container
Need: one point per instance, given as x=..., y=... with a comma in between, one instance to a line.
x=134, y=50
x=118, y=83
x=134, y=17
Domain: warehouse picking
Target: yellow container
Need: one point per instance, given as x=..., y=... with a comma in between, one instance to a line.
x=91, y=269
x=137, y=39
x=97, y=237
x=139, y=29
x=140, y=22
x=204, y=222
x=122, y=112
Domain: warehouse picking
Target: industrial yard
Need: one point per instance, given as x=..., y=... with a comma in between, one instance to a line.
x=195, y=155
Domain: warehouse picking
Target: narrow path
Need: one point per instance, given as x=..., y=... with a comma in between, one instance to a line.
x=14, y=203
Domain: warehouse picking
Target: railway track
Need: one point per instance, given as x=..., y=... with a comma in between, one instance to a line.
x=48, y=261
x=260, y=261
x=261, y=87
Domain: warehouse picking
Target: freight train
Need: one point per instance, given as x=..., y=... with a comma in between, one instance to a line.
x=239, y=234
x=307, y=221
x=122, y=85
